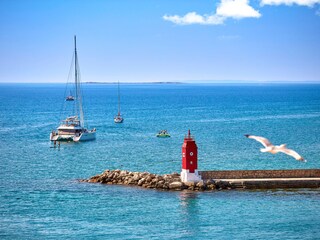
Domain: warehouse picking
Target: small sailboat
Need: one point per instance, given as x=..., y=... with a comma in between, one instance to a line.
x=118, y=118
x=70, y=97
x=73, y=127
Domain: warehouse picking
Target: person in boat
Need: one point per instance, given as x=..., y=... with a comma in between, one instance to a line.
x=163, y=132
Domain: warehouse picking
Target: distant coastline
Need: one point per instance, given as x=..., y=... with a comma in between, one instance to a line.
x=134, y=82
x=225, y=82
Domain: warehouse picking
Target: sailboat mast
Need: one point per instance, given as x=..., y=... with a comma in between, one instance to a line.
x=77, y=83
x=76, y=75
x=118, y=98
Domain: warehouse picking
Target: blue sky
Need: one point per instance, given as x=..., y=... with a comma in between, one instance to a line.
x=161, y=40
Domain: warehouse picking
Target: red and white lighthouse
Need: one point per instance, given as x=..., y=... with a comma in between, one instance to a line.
x=189, y=171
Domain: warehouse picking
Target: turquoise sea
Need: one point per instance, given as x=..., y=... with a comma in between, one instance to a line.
x=40, y=197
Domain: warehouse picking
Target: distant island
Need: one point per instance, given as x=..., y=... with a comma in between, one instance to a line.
x=134, y=82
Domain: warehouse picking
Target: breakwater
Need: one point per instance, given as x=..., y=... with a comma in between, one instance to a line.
x=214, y=180
x=149, y=180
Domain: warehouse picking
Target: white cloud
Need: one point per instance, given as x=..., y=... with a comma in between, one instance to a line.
x=226, y=9
x=194, y=18
x=308, y=3
x=237, y=9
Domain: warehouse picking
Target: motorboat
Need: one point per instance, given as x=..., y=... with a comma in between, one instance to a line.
x=163, y=134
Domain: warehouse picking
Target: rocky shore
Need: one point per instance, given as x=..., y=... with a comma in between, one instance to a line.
x=149, y=180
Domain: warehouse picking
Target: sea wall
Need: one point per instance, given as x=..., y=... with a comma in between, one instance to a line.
x=277, y=184
x=256, y=174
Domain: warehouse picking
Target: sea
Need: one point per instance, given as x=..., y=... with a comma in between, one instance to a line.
x=41, y=196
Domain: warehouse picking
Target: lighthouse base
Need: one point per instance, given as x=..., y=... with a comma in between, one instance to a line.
x=186, y=176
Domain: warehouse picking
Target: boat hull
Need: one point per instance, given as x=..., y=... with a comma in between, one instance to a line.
x=84, y=136
x=118, y=120
x=66, y=138
x=163, y=135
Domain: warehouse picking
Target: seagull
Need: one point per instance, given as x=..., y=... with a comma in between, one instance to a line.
x=269, y=147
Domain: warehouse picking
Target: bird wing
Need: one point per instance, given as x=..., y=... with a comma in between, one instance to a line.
x=292, y=153
x=265, y=142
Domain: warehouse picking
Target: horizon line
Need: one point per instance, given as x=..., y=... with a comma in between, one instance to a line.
x=182, y=82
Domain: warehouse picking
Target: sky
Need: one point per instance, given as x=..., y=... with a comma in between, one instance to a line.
x=161, y=40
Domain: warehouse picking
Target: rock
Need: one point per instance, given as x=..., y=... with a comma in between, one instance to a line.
x=176, y=179
x=211, y=186
x=159, y=178
x=166, y=177
x=159, y=185
x=149, y=178
x=144, y=174
x=176, y=185
x=190, y=184
x=94, y=179
x=136, y=177
x=200, y=185
x=175, y=174
x=141, y=181
x=110, y=175
x=115, y=175
x=153, y=184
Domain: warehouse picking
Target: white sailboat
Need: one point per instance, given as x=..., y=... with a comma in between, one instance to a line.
x=70, y=97
x=73, y=127
x=118, y=118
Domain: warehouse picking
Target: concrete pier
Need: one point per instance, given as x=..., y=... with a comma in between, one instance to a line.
x=265, y=179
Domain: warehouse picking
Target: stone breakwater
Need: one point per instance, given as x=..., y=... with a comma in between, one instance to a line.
x=149, y=180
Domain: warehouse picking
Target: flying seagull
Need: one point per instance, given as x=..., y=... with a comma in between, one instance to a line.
x=269, y=147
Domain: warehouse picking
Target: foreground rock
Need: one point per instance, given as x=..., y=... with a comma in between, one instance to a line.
x=149, y=180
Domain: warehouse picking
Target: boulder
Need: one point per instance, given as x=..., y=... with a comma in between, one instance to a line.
x=176, y=185
x=190, y=184
x=141, y=181
x=200, y=185
x=123, y=173
x=94, y=179
x=136, y=177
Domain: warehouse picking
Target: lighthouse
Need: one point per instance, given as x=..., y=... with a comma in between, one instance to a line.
x=189, y=171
